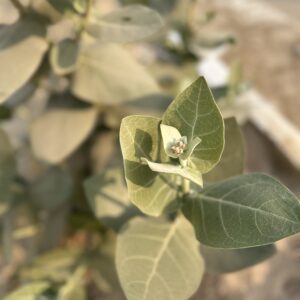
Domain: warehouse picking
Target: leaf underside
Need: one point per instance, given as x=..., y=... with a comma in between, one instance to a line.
x=158, y=260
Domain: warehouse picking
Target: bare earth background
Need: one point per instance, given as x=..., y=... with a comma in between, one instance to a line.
x=269, y=49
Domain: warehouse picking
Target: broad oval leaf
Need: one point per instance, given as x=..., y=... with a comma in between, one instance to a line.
x=152, y=192
x=30, y=291
x=127, y=24
x=57, y=133
x=22, y=47
x=108, y=197
x=7, y=167
x=233, y=157
x=232, y=260
x=195, y=114
x=63, y=57
x=244, y=211
x=158, y=260
x=51, y=189
x=108, y=74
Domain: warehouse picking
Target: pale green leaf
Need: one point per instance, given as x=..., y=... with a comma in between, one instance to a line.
x=195, y=114
x=57, y=133
x=108, y=197
x=7, y=169
x=232, y=260
x=108, y=74
x=185, y=172
x=127, y=24
x=63, y=57
x=170, y=135
x=233, y=157
x=22, y=47
x=151, y=192
x=56, y=265
x=80, y=6
x=244, y=211
x=30, y=291
x=158, y=260
x=74, y=287
x=62, y=5
x=52, y=189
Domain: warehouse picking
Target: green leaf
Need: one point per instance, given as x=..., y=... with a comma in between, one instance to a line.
x=170, y=135
x=158, y=260
x=74, y=288
x=127, y=24
x=62, y=5
x=185, y=172
x=151, y=192
x=228, y=260
x=195, y=114
x=57, y=133
x=60, y=265
x=244, y=211
x=5, y=113
x=52, y=189
x=108, y=197
x=63, y=57
x=22, y=47
x=28, y=292
x=108, y=74
x=233, y=157
x=7, y=168
x=80, y=6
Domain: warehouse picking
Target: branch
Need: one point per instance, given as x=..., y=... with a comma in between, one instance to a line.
x=18, y=6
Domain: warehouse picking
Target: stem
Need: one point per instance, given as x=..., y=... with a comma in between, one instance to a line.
x=7, y=237
x=18, y=6
x=186, y=184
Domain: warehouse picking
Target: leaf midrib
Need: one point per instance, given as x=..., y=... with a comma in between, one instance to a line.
x=161, y=252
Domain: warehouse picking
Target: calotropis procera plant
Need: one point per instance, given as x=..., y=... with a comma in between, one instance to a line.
x=190, y=223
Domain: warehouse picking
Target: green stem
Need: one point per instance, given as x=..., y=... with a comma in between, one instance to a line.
x=7, y=237
x=186, y=184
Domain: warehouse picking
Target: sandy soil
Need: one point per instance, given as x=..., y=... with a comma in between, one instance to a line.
x=269, y=49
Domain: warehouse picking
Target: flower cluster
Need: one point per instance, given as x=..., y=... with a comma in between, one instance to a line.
x=179, y=147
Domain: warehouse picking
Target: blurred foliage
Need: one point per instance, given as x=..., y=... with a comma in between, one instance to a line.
x=68, y=76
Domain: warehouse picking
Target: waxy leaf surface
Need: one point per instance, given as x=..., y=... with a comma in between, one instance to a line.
x=63, y=57
x=108, y=198
x=127, y=24
x=57, y=133
x=22, y=47
x=195, y=114
x=244, y=211
x=158, y=260
x=232, y=260
x=108, y=74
